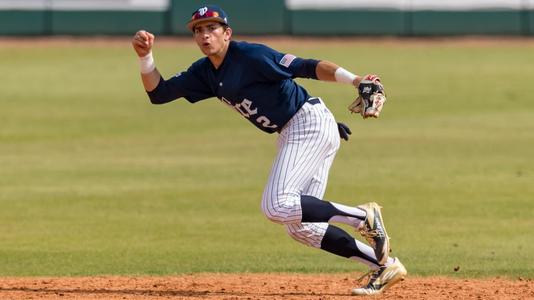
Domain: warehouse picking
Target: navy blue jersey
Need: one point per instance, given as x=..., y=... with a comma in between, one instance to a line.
x=254, y=79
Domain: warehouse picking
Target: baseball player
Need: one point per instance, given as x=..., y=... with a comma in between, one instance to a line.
x=257, y=82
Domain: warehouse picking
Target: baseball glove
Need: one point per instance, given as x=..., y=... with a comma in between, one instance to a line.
x=371, y=97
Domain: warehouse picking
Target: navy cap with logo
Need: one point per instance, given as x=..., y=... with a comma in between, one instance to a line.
x=207, y=13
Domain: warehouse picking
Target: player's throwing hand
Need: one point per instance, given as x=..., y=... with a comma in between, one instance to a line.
x=142, y=43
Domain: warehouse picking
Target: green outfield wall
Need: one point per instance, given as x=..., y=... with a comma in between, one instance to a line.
x=529, y=22
x=245, y=17
x=468, y=22
x=348, y=22
x=81, y=22
x=411, y=23
x=24, y=22
x=297, y=17
x=107, y=22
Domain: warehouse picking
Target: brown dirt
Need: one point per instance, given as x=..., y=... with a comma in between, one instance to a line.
x=257, y=286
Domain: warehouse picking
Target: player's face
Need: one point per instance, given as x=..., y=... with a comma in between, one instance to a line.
x=211, y=37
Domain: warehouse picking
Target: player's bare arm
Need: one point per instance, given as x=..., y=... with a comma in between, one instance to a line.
x=142, y=42
x=326, y=71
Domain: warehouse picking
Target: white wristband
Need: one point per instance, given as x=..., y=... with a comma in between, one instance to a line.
x=147, y=63
x=344, y=76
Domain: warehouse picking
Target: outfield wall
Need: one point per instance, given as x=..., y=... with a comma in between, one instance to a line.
x=298, y=17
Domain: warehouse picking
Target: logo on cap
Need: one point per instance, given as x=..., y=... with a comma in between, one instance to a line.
x=212, y=13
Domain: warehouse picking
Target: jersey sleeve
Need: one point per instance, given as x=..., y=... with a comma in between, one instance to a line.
x=275, y=65
x=188, y=84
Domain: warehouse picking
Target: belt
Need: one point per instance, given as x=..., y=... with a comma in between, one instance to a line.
x=314, y=100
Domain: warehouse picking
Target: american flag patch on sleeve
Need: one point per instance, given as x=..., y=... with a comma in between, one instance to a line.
x=287, y=60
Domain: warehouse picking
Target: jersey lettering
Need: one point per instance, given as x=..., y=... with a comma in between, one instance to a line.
x=265, y=122
x=226, y=101
x=246, y=110
x=247, y=105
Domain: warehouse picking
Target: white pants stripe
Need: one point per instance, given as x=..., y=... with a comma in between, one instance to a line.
x=306, y=149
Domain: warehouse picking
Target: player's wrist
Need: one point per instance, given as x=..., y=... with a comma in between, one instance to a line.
x=146, y=63
x=343, y=76
x=356, y=82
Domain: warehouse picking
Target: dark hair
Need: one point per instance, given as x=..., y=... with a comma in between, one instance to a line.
x=224, y=27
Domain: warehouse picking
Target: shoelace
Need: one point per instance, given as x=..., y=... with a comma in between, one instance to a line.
x=372, y=274
x=372, y=233
x=369, y=235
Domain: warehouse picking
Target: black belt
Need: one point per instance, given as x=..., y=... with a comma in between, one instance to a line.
x=314, y=101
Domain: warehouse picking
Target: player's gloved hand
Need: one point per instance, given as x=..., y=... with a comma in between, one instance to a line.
x=344, y=131
x=371, y=97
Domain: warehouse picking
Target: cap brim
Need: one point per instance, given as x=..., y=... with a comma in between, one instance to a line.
x=192, y=23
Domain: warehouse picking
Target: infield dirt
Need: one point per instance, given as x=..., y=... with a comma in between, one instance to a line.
x=257, y=286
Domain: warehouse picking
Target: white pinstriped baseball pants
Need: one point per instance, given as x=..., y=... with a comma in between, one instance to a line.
x=307, y=146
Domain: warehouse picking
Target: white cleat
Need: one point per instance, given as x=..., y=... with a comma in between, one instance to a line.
x=382, y=279
x=374, y=231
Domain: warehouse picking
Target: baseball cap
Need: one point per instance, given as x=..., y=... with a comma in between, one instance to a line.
x=207, y=13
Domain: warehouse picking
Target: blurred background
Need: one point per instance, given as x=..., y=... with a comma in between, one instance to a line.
x=281, y=17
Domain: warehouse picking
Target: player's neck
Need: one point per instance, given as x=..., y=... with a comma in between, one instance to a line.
x=218, y=58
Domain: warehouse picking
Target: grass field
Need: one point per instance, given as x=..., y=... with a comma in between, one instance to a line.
x=95, y=180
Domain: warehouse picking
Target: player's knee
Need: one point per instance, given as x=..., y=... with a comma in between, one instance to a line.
x=282, y=209
x=274, y=217
x=294, y=234
x=304, y=235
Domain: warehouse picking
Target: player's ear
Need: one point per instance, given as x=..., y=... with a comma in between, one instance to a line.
x=227, y=34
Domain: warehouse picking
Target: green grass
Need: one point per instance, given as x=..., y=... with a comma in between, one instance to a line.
x=95, y=180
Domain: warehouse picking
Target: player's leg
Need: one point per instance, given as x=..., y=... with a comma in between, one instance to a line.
x=317, y=210
x=308, y=140
x=306, y=150
x=371, y=227
x=326, y=236
x=365, y=218
x=335, y=240
x=314, y=192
